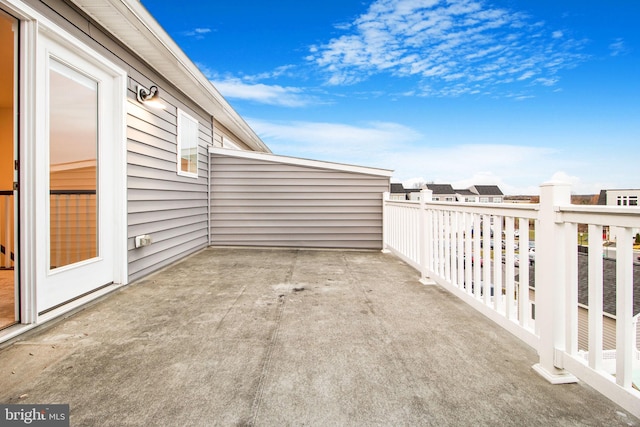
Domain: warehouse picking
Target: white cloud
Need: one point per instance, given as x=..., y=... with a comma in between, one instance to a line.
x=262, y=93
x=517, y=169
x=334, y=141
x=445, y=40
x=618, y=47
x=280, y=71
x=197, y=33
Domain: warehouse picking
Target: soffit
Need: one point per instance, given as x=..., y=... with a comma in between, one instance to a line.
x=134, y=26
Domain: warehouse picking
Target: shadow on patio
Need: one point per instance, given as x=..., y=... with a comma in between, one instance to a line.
x=289, y=337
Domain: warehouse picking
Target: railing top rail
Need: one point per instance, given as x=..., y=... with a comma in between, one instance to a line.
x=599, y=209
x=622, y=216
x=409, y=203
x=504, y=209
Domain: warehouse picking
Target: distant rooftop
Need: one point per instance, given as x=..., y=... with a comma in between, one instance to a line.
x=440, y=189
x=486, y=190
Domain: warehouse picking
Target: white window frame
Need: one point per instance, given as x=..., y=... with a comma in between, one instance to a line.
x=227, y=143
x=185, y=120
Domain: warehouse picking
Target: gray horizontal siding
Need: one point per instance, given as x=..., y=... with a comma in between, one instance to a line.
x=173, y=209
x=270, y=203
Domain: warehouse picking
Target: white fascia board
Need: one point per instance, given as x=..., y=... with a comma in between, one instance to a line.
x=131, y=23
x=268, y=157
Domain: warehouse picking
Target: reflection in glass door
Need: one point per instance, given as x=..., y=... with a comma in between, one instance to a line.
x=9, y=313
x=73, y=155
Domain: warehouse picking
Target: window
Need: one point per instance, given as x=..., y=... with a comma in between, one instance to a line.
x=187, y=145
x=484, y=200
x=73, y=160
x=627, y=200
x=227, y=143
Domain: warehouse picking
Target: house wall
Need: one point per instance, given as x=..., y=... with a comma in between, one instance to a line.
x=222, y=136
x=171, y=208
x=256, y=202
x=608, y=331
x=612, y=196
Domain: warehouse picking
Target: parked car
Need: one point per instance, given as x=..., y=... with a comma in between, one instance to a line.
x=516, y=260
x=472, y=260
x=515, y=246
x=482, y=289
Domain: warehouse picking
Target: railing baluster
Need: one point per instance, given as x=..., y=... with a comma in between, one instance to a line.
x=486, y=256
x=460, y=251
x=447, y=245
x=509, y=269
x=571, y=254
x=523, y=270
x=624, y=306
x=477, y=257
x=468, y=251
x=498, y=301
x=595, y=296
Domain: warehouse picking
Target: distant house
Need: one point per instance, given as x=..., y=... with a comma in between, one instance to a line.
x=608, y=301
x=446, y=193
x=442, y=192
x=397, y=191
x=619, y=197
x=627, y=197
x=488, y=193
x=466, y=195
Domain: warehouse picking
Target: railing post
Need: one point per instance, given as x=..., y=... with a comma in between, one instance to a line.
x=550, y=284
x=385, y=218
x=426, y=239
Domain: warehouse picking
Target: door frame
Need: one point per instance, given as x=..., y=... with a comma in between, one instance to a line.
x=33, y=26
x=57, y=286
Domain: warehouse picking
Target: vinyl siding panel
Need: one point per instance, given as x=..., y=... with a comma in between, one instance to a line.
x=257, y=202
x=608, y=331
x=173, y=209
x=222, y=133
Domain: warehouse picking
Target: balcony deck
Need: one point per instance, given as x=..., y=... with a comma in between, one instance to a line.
x=289, y=337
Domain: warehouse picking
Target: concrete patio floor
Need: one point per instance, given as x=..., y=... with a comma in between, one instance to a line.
x=289, y=337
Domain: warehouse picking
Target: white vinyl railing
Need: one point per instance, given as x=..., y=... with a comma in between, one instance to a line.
x=518, y=265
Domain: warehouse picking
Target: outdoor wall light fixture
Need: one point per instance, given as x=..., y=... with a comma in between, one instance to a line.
x=150, y=97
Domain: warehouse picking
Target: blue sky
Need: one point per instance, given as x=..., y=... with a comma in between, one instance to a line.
x=506, y=92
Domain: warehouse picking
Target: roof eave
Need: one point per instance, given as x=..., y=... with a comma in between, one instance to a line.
x=131, y=23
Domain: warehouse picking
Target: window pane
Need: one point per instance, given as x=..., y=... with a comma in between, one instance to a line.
x=73, y=155
x=188, y=144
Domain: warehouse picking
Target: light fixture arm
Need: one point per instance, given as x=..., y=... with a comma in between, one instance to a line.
x=145, y=95
x=150, y=97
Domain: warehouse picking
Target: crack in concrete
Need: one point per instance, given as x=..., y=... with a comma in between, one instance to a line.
x=266, y=364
